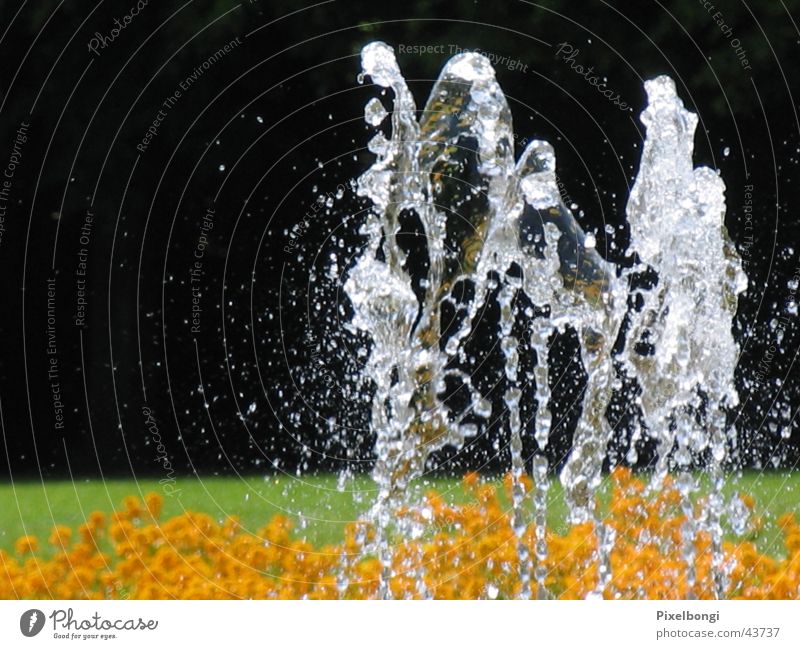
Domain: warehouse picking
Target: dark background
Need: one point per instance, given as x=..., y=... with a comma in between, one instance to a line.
x=270, y=379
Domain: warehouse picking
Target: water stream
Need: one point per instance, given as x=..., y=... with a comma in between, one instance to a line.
x=495, y=227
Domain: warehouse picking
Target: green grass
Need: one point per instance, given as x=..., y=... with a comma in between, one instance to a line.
x=318, y=504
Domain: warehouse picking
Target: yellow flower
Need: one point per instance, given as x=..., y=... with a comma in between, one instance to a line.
x=467, y=551
x=60, y=536
x=154, y=503
x=27, y=545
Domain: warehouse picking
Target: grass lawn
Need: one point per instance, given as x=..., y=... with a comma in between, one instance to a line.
x=319, y=505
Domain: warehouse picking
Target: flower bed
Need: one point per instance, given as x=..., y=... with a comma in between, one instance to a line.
x=468, y=551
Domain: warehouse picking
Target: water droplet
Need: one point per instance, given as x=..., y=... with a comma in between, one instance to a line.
x=374, y=112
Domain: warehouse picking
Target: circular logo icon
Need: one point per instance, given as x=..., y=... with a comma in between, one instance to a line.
x=31, y=622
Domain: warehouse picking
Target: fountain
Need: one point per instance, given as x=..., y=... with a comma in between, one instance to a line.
x=496, y=226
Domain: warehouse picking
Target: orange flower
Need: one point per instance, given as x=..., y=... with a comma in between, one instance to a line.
x=60, y=536
x=468, y=550
x=27, y=545
x=154, y=503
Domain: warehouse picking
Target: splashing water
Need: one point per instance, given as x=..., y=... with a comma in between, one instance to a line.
x=498, y=229
x=676, y=213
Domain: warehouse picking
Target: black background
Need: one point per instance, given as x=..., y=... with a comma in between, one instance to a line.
x=258, y=135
